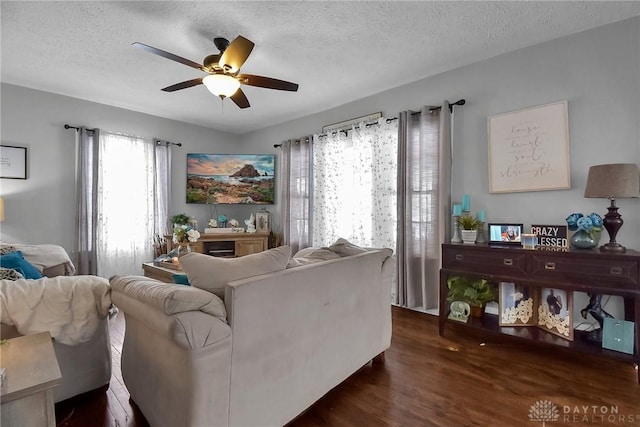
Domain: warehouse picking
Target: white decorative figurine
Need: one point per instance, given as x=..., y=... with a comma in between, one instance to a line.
x=251, y=224
x=213, y=223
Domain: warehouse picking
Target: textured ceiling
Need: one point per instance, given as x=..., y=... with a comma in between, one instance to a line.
x=336, y=51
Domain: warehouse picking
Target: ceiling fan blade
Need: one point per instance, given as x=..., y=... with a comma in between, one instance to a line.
x=167, y=55
x=183, y=85
x=235, y=54
x=267, y=82
x=240, y=99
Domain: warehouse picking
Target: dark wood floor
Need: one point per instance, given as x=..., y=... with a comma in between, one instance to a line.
x=427, y=380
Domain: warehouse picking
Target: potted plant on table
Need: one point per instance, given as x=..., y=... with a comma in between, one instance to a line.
x=468, y=227
x=179, y=219
x=476, y=292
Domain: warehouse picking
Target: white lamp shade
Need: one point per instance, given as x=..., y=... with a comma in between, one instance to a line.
x=221, y=84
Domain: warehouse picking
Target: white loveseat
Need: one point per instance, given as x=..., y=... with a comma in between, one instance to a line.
x=74, y=309
x=278, y=343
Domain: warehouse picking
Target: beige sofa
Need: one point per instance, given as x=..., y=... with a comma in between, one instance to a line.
x=288, y=337
x=82, y=344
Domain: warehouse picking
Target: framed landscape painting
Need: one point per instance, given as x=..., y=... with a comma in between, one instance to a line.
x=230, y=178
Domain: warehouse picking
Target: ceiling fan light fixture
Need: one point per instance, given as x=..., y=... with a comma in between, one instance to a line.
x=221, y=85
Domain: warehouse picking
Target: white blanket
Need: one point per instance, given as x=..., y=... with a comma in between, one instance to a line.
x=69, y=307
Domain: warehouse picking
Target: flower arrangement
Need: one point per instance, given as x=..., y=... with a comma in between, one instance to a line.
x=185, y=233
x=591, y=224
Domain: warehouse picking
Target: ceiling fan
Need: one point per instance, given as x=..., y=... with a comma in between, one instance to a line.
x=224, y=78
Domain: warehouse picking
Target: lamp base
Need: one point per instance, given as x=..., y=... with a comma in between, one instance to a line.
x=612, y=221
x=613, y=247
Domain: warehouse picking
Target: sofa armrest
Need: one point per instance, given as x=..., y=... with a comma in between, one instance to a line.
x=191, y=317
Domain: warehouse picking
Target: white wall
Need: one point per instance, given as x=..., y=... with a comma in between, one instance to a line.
x=597, y=71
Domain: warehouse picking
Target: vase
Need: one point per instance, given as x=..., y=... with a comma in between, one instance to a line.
x=477, y=311
x=183, y=249
x=469, y=236
x=582, y=239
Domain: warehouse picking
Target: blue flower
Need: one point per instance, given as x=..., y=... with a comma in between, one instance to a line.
x=596, y=220
x=592, y=224
x=572, y=221
x=585, y=223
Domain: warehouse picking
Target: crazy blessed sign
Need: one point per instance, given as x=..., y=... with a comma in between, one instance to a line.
x=551, y=236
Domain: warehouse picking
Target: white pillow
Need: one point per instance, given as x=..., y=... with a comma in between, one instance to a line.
x=212, y=273
x=310, y=256
x=345, y=248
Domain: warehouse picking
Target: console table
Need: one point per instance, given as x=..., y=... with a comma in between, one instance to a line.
x=589, y=271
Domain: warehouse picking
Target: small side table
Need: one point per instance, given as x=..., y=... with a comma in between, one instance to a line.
x=32, y=372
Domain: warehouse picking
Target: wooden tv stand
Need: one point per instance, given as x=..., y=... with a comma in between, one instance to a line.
x=232, y=244
x=589, y=271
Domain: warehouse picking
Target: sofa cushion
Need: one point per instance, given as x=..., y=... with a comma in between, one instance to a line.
x=10, y=274
x=310, y=256
x=5, y=249
x=16, y=261
x=212, y=273
x=345, y=248
x=170, y=299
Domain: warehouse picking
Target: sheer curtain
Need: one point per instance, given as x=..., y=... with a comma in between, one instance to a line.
x=295, y=198
x=123, y=202
x=424, y=183
x=354, y=185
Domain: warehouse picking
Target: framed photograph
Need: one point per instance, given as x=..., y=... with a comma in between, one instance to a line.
x=505, y=234
x=13, y=162
x=517, y=305
x=262, y=222
x=529, y=149
x=555, y=312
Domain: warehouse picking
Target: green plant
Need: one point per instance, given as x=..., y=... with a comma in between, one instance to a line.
x=472, y=290
x=467, y=222
x=179, y=219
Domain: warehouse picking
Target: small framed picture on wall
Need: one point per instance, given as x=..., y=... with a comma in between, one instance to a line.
x=13, y=162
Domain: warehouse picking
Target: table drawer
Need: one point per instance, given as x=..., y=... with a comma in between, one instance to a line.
x=495, y=262
x=585, y=271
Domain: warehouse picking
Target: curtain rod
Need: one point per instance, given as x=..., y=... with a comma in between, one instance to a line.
x=179, y=144
x=458, y=102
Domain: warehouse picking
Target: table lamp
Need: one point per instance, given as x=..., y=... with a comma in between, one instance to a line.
x=613, y=181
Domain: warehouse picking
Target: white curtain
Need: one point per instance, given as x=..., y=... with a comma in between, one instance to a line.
x=123, y=188
x=295, y=197
x=354, y=185
x=424, y=177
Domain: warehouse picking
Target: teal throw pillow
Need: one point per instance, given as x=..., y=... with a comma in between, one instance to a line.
x=181, y=279
x=16, y=261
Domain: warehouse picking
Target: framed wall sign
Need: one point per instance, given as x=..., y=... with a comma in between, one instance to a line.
x=13, y=162
x=529, y=149
x=551, y=236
